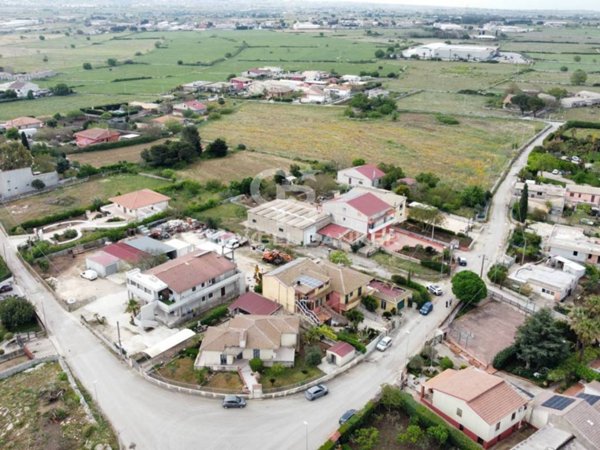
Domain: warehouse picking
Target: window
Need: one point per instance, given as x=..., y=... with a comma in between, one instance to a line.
x=346, y=299
x=223, y=291
x=513, y=416
x=194, y=289
x=575, y=252
x=459, y=412
x=256, y=353
x=360, y=291
x=253, y=220
x=280, y=230
x=498, y=426
x=210, y=295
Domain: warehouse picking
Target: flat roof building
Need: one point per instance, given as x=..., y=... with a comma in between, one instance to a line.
x=573, y=244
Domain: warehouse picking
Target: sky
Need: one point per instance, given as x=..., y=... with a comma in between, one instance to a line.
x=546, y=5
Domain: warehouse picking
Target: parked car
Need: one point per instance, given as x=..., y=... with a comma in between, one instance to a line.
x=384, y=344
x=233, y=401
x=555, y=172
x=347, y=416
x=426, y=308
x=315, y=392
x=461, y=261
x=89, y=275
x=435, y=289
x=232, y=243
x=6, y=288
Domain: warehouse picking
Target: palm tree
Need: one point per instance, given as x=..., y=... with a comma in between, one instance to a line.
x=133, y=307
x=585, y=322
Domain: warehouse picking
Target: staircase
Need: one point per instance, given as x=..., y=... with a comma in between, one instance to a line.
x=337, y=317
x=307, y=313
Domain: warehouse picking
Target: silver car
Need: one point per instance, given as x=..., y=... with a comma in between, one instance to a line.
x=317, y=391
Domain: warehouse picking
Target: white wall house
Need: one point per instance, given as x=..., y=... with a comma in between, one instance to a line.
x=366, y=175
x=183, y=287
x=18, y=181
x=22, y=88
x=138, y=204
x=485, y=407
x=573, y=244
x=546, y=282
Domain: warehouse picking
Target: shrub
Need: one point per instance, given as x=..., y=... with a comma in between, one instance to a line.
x=446, y=119
x=213, y=316
x=370, y=303
x=256, y=365
x=436, y=265
x=504, y=357
x=353, y=341
x=38, y=184
x=413, y=435
x=313, y=356
x=446, y=363
x=416, y=363
x=16, y=312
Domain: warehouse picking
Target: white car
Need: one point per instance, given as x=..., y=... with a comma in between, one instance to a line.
x=232, y=243
x=89, y=275
x=435, y=289
x=555, y=172
x=384, y=344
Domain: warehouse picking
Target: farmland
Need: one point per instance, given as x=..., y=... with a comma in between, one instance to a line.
x=70, y=197
x=473, y=152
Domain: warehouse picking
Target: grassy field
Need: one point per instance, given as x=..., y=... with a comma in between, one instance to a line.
x=41, y=411
x=473, y=152
x=106, y=157
x=70, y=197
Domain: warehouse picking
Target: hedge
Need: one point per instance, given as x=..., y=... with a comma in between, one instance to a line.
x=64, y=215
x=504, y=357
x=422, y=290
x=342, y=336
x=580, y=124
x=118, y=144
x=436, y=265
x=355, y=422
x=211, y=317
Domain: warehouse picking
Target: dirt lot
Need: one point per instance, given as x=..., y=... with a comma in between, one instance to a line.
x=487, y=329
x=105, y=157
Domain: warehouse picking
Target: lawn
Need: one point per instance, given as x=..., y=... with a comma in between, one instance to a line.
x=228, y=216
x=290, y=376
x=473, y=152
x=41, y=411
x=181, y=370
x=75, y=196
x=396, y=263
x=106, y=157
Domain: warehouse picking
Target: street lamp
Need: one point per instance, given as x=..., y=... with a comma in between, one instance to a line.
x=407, y=339
x=306, y=428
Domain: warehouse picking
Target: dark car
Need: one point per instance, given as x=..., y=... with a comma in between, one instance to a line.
x=6, y=288
x=234, y=401
x=426, y=308
x=347, y=416
x=316, y=391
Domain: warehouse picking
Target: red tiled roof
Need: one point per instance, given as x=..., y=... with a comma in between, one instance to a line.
x=22, y=122
x=125, y=252
x=182, y=274
x=371, y=171
x=333, y=231
x=97, y=133
x=194, y=104
x=252, y=303
x=103, y=258
x=341, y=348
x=368, y=204
x=139, y=199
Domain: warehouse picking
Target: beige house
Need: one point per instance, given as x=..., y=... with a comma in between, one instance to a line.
x=309, y=288
x=290, y=220
x=137, y=204
x=485, y=407
x=273, y=339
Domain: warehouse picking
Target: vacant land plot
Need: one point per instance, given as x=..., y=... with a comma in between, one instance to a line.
x=236, y=166
x=76, y=196
x=487, y=329
x=106, y=157
x=473, y=152
x=41, y=411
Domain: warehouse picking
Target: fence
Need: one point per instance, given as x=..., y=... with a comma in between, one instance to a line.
x=528, y=308
x=26, y=365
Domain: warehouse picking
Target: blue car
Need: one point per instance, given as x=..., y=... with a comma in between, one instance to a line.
x=426, y=308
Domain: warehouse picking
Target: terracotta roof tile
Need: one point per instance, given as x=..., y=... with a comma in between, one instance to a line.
x=368, y=204
x=139, y=199
x=371, y=171
x=97, y=133
x=252, y=303
x=341, y=348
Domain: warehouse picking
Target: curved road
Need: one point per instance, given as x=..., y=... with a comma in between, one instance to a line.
x=154, y=418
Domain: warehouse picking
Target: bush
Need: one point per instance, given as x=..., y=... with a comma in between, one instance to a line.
x=353, y=341
x=436, y=265
x=504, y=357
x=446, y=119
x=256, y=365
x=416, y=363
x=370, y=303
x=16, y=312
x=214, y=315
x=313, y=356
x=38, y=184
x=118, y=144
x=446, y=363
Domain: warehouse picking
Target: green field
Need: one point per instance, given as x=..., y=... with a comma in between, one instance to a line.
x=473, y=152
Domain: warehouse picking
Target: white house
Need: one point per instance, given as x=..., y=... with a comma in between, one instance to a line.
x=184, y=287
x=366, y=175
x=553, y=284
x=364, y=213
x=451, y=52
x=18, y=181
x=272, y=339
x=22, y=88
x=485, y=407
x=573, y=244
x=340, y=353
x=138, y=204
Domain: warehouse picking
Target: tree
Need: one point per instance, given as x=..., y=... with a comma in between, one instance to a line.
x=25, y=141
x=38, y=184
x=473, y=196
x=313, y=356
x=428, y=216
x=535, y=104
x=413, y=435
x=16, y=312
x=256, y=364
x=279, y=177
x=133, y=307
x=522, y=101
x=87, y=66
x=498, y=274
x=366, y=438
x=468, y=287
x=14, y=155
x=523, y=204
x=217, y=148
x=30, y=95
x=295, y=170
x=112, y=62
x=190, y=135
x=355, y=316
x=370, y=303
x=358, y=162
x=577, y=58
x=61, y=89
x=62, y=165
x=379, y=54
x=339, y=257
x=558, y=92
x=12, y=133
x=540, y=341
x=585, y=323
x=428, y=178
x=578, y=77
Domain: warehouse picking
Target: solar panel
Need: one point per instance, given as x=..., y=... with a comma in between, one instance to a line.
x=558, y=402
x=591, y=399
x=309, y=281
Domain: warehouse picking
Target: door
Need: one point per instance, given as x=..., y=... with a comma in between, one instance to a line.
x=223, y=359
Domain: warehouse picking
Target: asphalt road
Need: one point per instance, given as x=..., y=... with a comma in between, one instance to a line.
x=154, y=418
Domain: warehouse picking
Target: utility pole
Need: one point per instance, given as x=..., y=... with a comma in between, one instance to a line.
x=482, y=262
x=119, y=336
